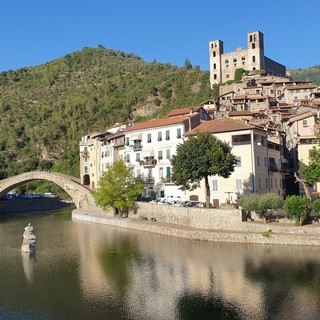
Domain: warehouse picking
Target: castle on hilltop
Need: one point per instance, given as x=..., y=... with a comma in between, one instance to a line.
x=223, y=65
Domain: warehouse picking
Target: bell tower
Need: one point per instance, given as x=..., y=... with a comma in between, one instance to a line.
x=256, y=51
x=215, y=52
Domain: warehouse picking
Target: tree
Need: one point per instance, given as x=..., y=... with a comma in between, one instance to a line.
x=309, y=174
x=118, y=188
x=298, y=207
x=198, y=158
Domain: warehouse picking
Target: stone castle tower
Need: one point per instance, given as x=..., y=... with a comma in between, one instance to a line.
x=223, y=65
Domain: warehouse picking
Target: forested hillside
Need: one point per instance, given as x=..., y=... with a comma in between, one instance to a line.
x=311, y=74
x=46, y=109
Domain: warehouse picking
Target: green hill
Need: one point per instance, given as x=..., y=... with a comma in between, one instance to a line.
x=310, y=74
x=46, y=109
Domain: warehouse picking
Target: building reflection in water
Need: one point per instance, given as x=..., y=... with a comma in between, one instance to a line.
x=164, y=275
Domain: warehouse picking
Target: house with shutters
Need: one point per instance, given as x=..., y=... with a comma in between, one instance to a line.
x=259, y=162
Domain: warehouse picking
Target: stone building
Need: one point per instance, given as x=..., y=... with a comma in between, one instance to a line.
x=223, y=65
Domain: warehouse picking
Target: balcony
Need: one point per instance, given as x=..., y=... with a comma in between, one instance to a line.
x=84, y=154
x=273, y=167
x=148, y=162
x=147, y=179
x=137, y=146
x=167, y=180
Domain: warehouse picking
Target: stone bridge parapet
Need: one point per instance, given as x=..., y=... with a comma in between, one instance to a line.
x=81, y=196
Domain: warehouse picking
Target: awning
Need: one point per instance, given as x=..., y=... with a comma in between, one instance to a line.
x=147, y=153
x=136, y=136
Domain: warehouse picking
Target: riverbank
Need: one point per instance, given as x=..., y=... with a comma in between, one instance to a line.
x=248, y=232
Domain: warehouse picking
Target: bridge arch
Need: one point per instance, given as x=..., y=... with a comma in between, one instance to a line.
x=81, y=196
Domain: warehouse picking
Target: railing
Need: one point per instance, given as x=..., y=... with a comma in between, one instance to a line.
x=273, y=167
x=147, y=179
x=148, y=163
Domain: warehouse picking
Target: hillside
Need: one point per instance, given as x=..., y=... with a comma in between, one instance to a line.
x=310, y=74
x=46, y=109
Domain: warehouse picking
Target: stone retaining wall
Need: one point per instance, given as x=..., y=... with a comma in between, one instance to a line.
x=201, y=218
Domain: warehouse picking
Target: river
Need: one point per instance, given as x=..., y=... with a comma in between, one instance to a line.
x=90, y=271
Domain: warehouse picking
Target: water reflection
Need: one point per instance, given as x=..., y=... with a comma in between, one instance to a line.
x=91, y=271
x=28, y=263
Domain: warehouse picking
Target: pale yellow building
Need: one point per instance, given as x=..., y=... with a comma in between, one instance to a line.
x=259, y=162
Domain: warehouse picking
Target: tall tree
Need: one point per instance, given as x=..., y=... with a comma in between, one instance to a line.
x=198, y=158
x=118, y=188
x=310, y=173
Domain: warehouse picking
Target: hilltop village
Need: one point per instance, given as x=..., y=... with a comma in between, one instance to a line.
x=270, y=121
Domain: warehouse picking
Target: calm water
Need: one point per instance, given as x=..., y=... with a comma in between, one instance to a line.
x=90, y=271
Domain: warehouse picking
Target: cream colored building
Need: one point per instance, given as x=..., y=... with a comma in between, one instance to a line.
x=223, y=65
x=259, y=162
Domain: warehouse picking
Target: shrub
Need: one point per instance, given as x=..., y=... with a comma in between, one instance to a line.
x=261, y=203
x=298, y=207
x=316, y=206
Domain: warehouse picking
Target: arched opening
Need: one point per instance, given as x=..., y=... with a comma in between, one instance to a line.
x=86, y=180
x=194, y=198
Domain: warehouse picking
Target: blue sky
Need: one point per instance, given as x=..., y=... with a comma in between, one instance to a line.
x=169, y=31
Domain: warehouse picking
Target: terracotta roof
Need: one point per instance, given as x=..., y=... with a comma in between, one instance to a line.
x=242, y=113
x=220, y=125
x=301, y=86
x=182, y=111
x=159, y=122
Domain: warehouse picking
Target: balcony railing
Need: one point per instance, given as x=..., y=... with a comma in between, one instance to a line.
x=167, y=180
x=147, y=179
x=84, y=154
x=148, y=163
x=273, y=167
x=137, y=146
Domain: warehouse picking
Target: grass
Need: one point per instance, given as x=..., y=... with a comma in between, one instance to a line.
x=267, y=234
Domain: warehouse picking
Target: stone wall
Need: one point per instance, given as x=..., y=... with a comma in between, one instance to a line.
x=202, y=218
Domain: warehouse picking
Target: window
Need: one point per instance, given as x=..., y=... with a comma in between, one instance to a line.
x=214, y=66
x=241, y=139
x=168, y=172
x=259, y=181
x=265, y=161
x=238, y=164
x=137, y=156
x=238, y=184
x=149, y=138
x=167, y=135
x=253, y=45
x=214, y=185
x=161, y=172
x=234, y=59
x=178, y=133
x=271, y=182
x=258, y=161
x=168, y=154
x=159, y=136
x=227, y=76
x=215, y=76
x=160, y=154
x=127, y=141
x=128, y=157
x=253, y=58
x=226, y=61
x=266, y=183
x=214, y=53
x=85, y=169
x=305, y=122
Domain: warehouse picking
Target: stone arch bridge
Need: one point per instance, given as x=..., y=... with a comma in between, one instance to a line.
x=81, y=196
